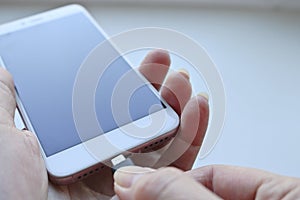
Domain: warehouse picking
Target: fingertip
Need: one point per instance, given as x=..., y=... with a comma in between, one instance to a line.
x=204, y=95
x=160, y=56
x=196, y=110
x=115, y=197
x=155, y=67
x=177, y=91
x=185, y=73
x=201, y=102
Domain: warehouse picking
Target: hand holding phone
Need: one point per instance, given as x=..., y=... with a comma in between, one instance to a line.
x=45, y=54
x=21, y=146
x=44, y=77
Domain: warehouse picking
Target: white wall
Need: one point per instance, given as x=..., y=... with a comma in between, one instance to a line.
x=257, y=53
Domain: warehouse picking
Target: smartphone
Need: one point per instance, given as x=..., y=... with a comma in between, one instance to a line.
x=44, y=53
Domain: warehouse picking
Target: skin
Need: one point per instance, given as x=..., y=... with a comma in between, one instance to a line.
x=23, y=173
x=210, y=182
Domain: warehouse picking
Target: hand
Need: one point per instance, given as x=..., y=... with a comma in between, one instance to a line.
x=210, y=182
x=23, y=174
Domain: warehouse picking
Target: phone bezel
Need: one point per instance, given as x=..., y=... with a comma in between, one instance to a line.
x=66, y=163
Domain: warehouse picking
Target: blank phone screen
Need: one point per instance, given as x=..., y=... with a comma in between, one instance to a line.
x=44, y=60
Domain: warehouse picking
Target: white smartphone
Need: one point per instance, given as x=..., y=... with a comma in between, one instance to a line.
x=44, y=53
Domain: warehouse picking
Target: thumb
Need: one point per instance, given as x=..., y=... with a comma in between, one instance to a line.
x=166, y=183
x=7, y=98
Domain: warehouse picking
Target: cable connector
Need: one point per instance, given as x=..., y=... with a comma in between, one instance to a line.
x=120, y=161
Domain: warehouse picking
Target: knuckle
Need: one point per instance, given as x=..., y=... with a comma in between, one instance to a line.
x=32, y=142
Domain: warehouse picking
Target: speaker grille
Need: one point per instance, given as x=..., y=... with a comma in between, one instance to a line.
x=88, y=172
x=156, y=144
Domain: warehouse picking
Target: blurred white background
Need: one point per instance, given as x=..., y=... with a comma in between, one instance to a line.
x=256, y=47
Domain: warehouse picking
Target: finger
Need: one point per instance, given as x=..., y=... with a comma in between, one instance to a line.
x=186, y=144
x=155, y=66
x=231, y=182
x=7, y=98
x=167, y=183
x=192, y=130
x=177, y=90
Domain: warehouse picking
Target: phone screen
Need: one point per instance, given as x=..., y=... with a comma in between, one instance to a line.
x=44, y=60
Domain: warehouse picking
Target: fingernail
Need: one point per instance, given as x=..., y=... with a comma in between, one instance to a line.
x=115, y=198
x=204, y=94
x=185, y=73
x=126, y=176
